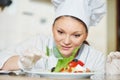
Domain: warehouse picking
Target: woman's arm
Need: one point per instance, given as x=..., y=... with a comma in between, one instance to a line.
x=11, y=63
x=11, y=55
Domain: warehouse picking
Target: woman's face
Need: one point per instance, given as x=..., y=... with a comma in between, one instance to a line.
x=68, y=33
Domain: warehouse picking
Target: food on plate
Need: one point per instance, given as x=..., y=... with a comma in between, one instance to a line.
x=70, y=64
x=75, y=66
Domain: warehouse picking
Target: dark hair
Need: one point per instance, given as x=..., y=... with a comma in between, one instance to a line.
x=4, y=3
x=73, y=18
x=85, y=42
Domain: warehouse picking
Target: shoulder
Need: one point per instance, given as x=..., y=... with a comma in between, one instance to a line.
x=42, y=38
x=93, y=54
x=92, y=50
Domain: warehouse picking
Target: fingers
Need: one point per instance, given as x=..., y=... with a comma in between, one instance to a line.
x=113, y=67
x=28, y=59
x=113, y=63
x=113, y=55
x=30, y=56
x=109, y=59
x=36, y=58
x=117, y=55
x=26, y=62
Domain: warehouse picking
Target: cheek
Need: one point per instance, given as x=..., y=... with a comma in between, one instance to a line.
x=56, y=37
x=79, y=41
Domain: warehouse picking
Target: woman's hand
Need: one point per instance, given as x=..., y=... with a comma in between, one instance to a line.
x=29, y=58
x=113, y=63
x=11, y=64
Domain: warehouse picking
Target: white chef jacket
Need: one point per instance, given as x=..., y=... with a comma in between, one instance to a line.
x=93, y=59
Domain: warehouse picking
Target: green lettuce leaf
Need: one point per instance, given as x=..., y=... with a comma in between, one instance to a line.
x=62, y=63
x=47, y=51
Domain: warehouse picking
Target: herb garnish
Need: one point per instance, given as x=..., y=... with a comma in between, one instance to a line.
x=62, y=63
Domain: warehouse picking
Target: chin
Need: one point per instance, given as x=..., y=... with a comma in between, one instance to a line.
x=66, y=53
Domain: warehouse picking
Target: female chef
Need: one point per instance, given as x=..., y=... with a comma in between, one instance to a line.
x=70, y=30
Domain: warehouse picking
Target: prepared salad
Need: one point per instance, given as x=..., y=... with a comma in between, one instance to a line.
x=75, y=66
x=70, y=65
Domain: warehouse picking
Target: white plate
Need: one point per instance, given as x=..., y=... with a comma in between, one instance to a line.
x=11, y=72
x=62, y=75
x=4, y=72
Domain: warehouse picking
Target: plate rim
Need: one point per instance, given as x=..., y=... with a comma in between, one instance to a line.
x=60, y=73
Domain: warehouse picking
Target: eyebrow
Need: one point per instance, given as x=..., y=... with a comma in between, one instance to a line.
x=72, y=33
x=78, y=32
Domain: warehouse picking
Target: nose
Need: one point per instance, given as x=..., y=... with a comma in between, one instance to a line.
x=67, y=40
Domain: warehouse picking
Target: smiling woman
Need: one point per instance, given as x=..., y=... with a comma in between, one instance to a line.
x=69, y=33
x=70, y=30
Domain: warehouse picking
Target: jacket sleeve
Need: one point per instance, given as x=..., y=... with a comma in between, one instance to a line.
x=99, y=65
x=94, y=59
x=38, y=42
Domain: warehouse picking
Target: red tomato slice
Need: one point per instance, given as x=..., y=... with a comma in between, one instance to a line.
x=80, y=63
x=73, y=64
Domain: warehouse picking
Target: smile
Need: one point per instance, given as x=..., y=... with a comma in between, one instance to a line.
x=65, y=47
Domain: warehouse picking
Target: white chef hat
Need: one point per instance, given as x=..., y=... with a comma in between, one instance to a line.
x=89, y=11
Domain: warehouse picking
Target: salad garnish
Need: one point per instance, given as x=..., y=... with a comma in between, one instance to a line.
x=47, y=51
x=62, y=63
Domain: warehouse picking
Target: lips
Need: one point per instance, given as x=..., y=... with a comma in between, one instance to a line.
x=66, y=47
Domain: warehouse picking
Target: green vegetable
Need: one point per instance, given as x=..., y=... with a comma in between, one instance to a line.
x=57, y=53
x=62, y=63
x=47, y=51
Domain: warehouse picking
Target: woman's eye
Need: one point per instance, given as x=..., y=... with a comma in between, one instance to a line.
x=77, y=35
x=60, y=32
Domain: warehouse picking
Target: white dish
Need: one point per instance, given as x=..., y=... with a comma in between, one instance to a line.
x=4, y=72
x=11, y=72
x=62, y=75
